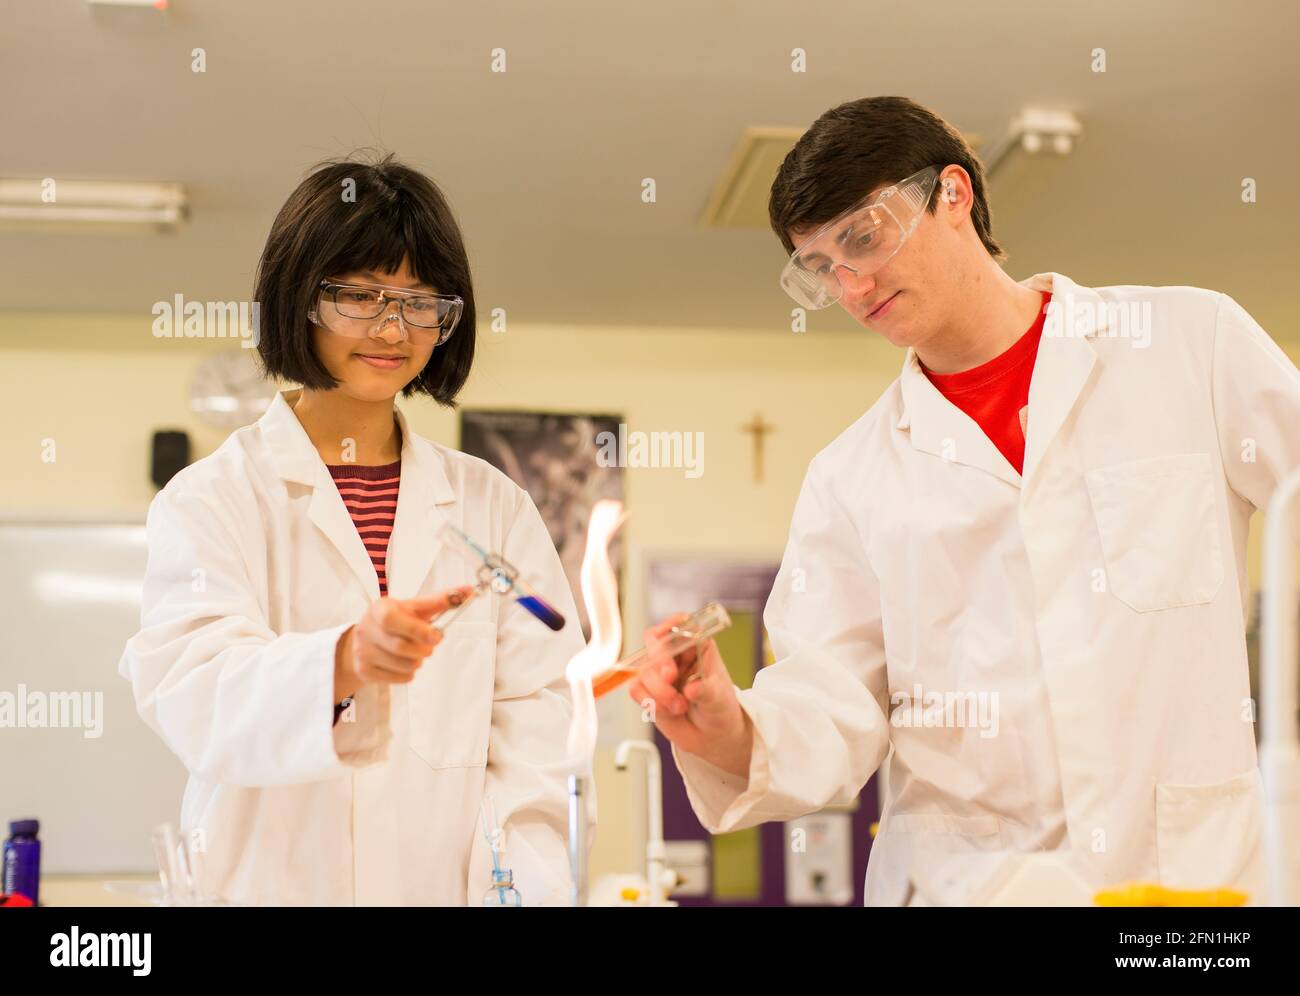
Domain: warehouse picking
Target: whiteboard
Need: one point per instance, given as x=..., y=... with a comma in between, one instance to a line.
x=69, y=600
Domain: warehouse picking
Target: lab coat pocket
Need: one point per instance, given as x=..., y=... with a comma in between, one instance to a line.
x=1211, y=836
x=1158, y=530
x=450, y=699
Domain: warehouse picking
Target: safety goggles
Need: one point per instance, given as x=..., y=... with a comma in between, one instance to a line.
x=862, y=239
x=351, y=310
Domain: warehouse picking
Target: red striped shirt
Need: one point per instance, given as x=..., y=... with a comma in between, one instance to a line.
x=370, y=494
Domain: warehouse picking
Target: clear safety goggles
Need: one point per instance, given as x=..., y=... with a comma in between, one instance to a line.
x=862, y=240
x=352, y=310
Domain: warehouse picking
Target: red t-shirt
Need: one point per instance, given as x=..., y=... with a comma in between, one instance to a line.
x=996, y=394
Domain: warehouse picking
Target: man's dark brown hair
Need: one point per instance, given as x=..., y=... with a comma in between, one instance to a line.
x=860, y=146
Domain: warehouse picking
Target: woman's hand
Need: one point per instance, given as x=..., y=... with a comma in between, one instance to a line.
x=392, y=640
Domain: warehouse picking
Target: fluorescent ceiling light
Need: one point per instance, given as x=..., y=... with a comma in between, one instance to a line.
x=92, y=202
x=155, y=4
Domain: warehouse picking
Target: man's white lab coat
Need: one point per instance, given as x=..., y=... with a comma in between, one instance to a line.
x=1057, y=659
x=255, y=570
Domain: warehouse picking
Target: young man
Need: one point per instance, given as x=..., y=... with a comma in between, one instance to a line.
x=1023, y=568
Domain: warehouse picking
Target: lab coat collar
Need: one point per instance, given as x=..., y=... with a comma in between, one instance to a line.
x=423, y=487
x=1065, y=361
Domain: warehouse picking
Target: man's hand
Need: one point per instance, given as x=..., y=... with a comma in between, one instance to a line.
x=700, y=713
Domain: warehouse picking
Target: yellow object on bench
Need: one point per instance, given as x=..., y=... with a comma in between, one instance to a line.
x=1150, y=894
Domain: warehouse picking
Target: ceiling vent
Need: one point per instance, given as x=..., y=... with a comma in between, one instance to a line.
x=740, y=198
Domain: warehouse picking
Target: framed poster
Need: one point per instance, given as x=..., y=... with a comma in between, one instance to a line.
x=552, y=456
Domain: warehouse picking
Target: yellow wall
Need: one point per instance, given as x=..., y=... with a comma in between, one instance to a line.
x=99, y=385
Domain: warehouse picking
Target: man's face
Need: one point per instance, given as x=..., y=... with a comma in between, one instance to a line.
x=908, y=299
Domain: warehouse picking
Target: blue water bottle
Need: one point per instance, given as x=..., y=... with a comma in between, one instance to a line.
x=22, y=860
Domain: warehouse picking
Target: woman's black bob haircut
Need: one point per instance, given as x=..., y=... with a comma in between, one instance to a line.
x=354, y=215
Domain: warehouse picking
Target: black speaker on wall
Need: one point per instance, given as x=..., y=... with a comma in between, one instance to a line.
x=171, y=453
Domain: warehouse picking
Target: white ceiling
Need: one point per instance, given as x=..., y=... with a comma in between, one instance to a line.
x=543, y=163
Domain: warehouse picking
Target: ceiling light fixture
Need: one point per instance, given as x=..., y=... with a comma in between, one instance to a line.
x=54, y=202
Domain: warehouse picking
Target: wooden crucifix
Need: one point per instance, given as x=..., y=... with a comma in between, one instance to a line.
x=759, y=429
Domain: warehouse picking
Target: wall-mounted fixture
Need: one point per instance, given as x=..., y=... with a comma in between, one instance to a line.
x=1033, y=130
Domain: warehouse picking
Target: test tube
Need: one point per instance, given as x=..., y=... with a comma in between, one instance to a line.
x=494, y=573
x=691, y=631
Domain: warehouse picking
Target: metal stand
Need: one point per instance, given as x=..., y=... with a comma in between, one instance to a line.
x=578, y=840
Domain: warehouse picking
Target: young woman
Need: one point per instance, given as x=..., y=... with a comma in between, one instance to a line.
x=339, y=743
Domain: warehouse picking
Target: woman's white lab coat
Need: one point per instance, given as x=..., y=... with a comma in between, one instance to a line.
x=1085, y=619
x=255, y=570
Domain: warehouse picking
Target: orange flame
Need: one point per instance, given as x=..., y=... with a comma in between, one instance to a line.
x=600, y=595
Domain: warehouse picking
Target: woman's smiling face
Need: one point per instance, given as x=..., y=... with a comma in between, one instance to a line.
x=378, y=367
